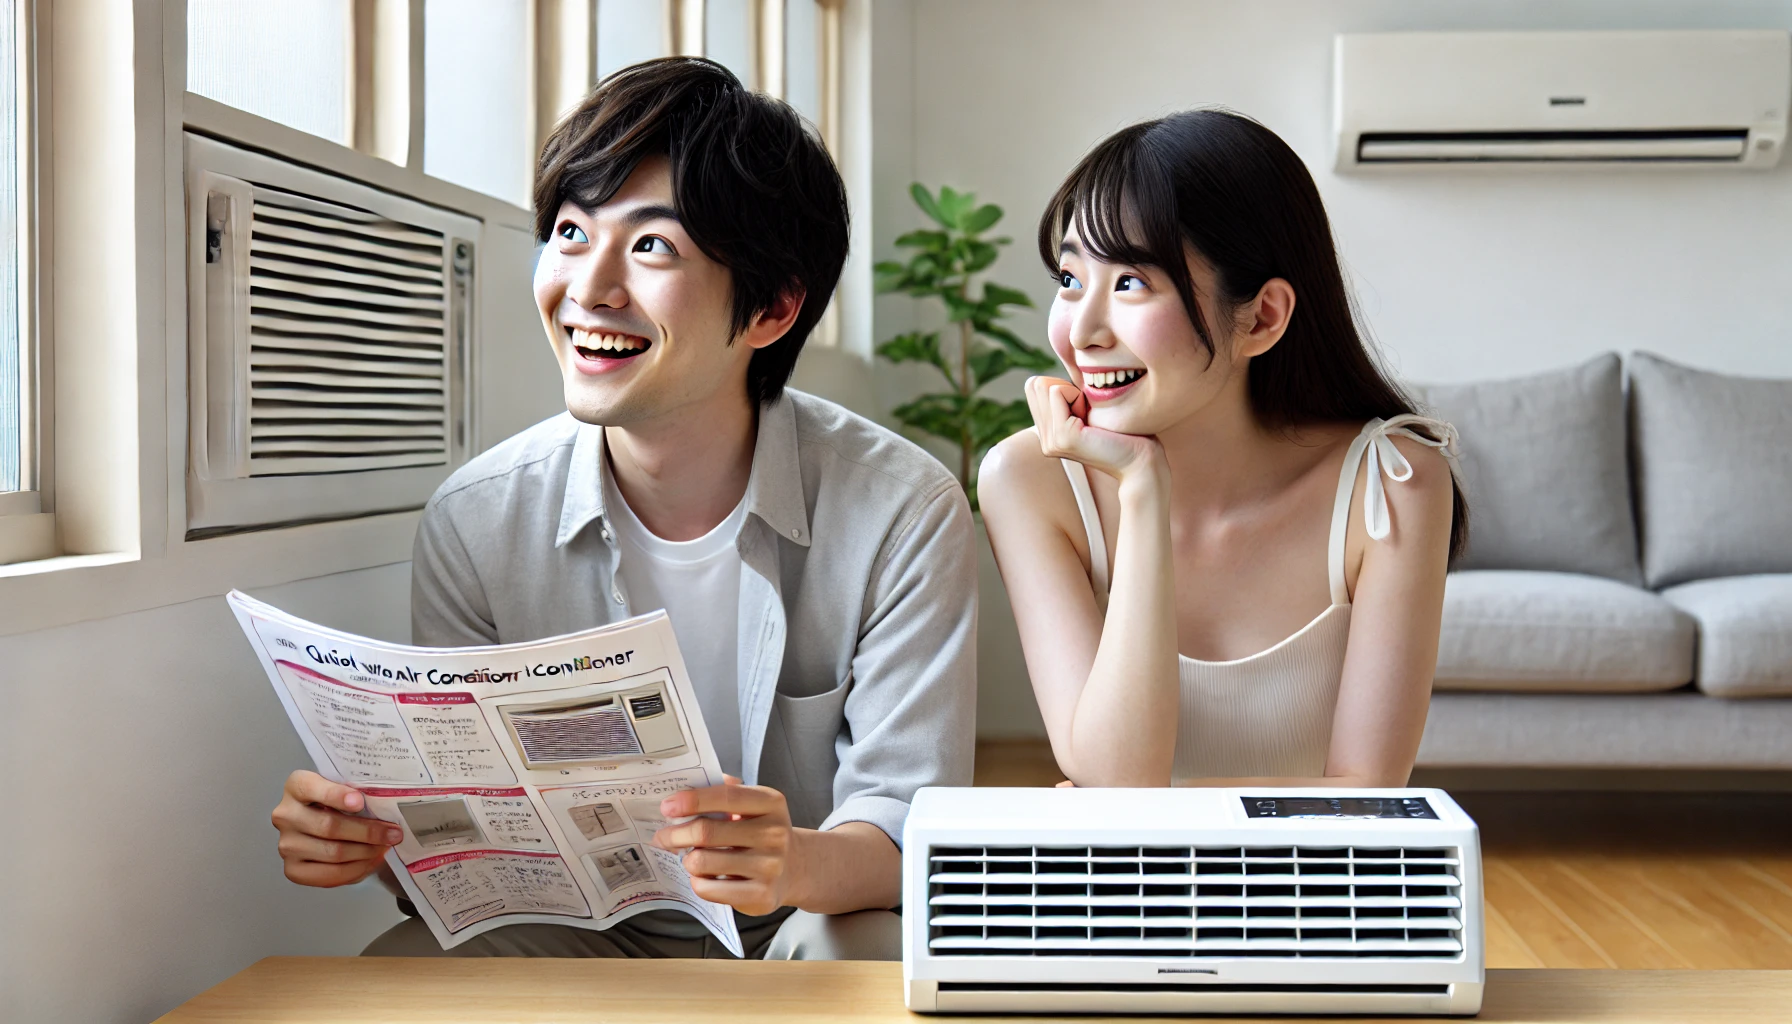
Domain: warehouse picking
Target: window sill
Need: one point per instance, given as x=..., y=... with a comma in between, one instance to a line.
x=26, y=540
x=65, y=589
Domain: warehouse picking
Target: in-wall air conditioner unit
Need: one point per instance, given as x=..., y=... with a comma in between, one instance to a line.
x=1693, y=98
x=1312, y=901
x=330, y=331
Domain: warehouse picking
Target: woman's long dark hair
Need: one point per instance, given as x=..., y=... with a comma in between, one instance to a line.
x=1231, y=189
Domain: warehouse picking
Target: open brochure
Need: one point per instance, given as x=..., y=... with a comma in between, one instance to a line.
x=527, y=777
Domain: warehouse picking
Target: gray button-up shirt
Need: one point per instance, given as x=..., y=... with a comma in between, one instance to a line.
x=858, y=596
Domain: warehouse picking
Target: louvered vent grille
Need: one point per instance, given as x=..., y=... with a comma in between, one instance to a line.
x=1275, y=902
x=347, y=340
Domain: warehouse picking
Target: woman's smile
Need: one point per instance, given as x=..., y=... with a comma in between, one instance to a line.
x=1105, y=385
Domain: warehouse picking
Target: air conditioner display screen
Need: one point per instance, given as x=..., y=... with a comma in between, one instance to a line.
x=1337, y=807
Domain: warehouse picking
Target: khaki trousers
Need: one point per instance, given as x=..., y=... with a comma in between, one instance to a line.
x=785, y=935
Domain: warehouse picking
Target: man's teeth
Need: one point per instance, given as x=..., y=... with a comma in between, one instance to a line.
x=1114, y=378
x=619, y=343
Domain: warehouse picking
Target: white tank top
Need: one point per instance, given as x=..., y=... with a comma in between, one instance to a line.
x=1270, y=714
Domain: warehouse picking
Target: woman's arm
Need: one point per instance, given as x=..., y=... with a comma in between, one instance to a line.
x=1397, y=611
x=1107, y=689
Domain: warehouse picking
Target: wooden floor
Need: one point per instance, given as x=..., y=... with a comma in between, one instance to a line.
x=1611, y=879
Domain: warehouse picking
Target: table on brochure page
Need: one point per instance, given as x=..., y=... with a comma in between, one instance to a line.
x=339, y=990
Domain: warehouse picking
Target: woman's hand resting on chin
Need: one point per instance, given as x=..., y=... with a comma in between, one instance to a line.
x=1060, y=412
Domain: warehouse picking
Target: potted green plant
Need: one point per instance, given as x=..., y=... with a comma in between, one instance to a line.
x=945, y=261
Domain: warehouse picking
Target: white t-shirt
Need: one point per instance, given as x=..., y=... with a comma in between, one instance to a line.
x=697, y=582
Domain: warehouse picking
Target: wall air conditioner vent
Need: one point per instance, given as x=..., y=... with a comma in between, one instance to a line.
x=1684, y=146
x=330, y=336
x=348, y=347
x=1281, y=901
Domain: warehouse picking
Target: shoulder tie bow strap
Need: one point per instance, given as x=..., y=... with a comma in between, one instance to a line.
x=1376, y=443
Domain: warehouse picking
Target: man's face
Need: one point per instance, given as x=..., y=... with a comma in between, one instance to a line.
x=638, y=316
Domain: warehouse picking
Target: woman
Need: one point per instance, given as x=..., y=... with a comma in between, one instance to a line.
x=1226, y=535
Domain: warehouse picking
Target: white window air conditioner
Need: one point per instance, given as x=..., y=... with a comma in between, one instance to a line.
x=1700, y=98
x=1191, y=901
x=330, y=332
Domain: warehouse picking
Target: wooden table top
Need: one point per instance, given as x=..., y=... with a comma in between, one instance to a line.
x=341, y=990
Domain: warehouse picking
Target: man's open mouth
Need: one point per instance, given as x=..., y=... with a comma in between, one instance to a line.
x=606, y=345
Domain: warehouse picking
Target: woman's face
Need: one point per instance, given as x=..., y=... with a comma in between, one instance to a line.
x=1129, y=344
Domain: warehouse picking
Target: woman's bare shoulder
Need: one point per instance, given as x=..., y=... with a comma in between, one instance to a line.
x=1016, y=478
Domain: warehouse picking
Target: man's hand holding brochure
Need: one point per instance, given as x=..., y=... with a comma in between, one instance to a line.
x=526, y=779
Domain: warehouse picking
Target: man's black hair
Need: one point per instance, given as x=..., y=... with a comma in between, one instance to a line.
x=753, y=186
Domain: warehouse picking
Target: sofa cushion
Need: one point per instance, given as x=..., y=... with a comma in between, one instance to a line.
x=1559, y=632
x=1714, y=472
x=1545, y=471
x=1745, y=633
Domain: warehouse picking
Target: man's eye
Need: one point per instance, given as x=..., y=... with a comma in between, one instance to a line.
x=573, y=233
x=655, y=244
x=1129, y=283
x=1068, y=280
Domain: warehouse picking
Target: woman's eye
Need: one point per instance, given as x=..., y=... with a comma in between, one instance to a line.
x=573, y=233
x=655, y=244
x=1068, y=280
x=1129, y=283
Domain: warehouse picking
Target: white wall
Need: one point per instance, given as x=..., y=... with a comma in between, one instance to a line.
x=143, y=754
x=1460, y=275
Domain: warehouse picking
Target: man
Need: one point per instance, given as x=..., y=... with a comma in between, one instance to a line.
x=818, y=570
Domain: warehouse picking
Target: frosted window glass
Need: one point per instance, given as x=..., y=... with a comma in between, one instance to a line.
x=802, y=53
x=728, y=36
x=285, y=60
x=477, y=129
x=629, y=32
x=11, y=382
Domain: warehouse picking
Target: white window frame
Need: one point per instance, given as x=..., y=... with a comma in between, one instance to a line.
x=27, y=516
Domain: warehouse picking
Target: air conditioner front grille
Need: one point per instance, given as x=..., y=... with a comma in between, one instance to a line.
x=1219, y=902
x=347, y=339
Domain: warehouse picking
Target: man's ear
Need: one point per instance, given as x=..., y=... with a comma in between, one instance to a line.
x=1266, y=318
x=774, y=322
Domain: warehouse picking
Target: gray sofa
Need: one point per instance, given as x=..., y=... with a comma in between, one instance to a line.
x=1626, y=597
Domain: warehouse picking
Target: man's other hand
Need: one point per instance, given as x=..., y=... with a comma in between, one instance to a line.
x=321, y=840
x=740, y=853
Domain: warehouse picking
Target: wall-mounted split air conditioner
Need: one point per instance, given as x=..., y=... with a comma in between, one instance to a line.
x=330, y=333
x=1661, y=98
x=1318, y=901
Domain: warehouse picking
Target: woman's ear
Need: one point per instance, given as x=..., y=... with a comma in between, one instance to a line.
x=775, y=321
x=1265, y=319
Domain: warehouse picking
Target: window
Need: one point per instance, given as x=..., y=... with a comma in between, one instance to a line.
x=285, y=60
x=27, y=529
x=478, y=89
x=15, y=356
x=629, y=32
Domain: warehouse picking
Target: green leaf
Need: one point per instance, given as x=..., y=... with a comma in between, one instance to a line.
x=942, y=415
x=890, y=276
x=989, y=364
x=918, y=347
x=979, y=254
x=958, y=309
x=932, y=241
x=980, y=219
x=1008, y=338
x=954, y=205
x=993, y=421
x=924, y=200
x=1000, y=295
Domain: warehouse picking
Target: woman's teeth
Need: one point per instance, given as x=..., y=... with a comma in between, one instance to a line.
x=1113, y=379
x=592, y=345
